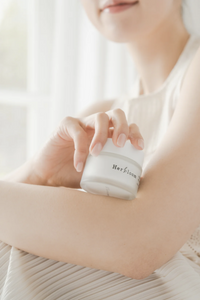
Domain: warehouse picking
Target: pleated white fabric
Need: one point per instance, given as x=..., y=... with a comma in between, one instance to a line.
x=29, y=277
x=24, y=276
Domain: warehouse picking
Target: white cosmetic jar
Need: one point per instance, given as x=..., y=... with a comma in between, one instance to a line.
x=115, y=172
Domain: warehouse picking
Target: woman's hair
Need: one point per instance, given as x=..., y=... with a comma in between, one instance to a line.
x=187, y=16
x=183, y=7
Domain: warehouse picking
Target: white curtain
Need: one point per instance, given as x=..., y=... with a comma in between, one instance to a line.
x=73, y=64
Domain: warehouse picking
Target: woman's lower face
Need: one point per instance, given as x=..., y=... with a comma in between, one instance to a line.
x=127, y=23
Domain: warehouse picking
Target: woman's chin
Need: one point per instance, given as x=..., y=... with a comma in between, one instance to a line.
x=118, y=36
x=118, y=40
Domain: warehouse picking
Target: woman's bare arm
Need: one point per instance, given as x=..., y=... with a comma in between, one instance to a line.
x=67, y=225
x=133, y=238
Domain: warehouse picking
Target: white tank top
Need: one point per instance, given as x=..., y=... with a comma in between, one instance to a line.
x=153, y=112
x=24, y=276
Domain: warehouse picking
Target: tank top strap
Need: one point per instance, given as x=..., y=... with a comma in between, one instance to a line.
x=178, y=70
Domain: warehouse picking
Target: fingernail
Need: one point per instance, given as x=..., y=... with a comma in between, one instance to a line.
x=97, y=148
x=141, y=143
x=121, y=140
x=79, y=167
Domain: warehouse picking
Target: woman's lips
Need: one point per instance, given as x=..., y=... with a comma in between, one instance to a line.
x=119, y=7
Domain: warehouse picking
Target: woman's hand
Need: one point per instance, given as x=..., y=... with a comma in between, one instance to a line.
x=61, y=160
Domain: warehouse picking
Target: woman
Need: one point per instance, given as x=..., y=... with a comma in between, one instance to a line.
x=58, y=242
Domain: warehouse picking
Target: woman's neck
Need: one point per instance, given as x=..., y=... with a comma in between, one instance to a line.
x=155, y=55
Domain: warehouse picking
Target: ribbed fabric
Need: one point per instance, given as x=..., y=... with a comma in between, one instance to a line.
x=24, y=276
x=31, y=277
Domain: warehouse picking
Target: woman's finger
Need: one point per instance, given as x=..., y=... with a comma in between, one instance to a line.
x=135, y=136
x=120, y=124
x=103, y=121
x=101, y=126
x=72, y=127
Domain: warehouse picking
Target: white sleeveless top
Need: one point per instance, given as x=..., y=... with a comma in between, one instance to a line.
x=24, y=276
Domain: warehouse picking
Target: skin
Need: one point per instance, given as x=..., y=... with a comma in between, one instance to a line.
x=136, y=237
x=147, y=29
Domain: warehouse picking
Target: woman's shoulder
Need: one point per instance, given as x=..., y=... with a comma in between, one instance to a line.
x=185, y=60
x=192, y=51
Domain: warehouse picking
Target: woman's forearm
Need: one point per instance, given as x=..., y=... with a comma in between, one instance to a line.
x=24, y=174
x=69, y=225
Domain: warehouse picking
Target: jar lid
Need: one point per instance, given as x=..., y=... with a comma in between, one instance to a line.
x=128, y=150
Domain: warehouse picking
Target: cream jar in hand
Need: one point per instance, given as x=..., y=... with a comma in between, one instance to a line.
x=115, y=172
